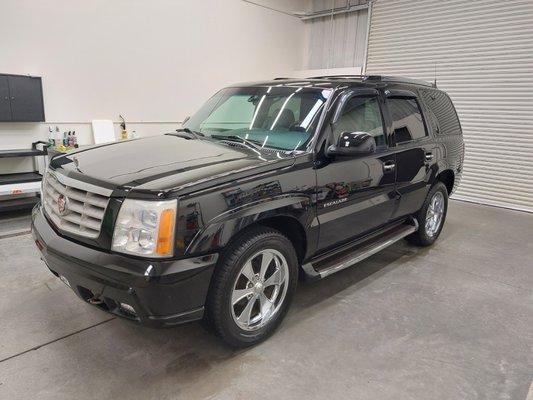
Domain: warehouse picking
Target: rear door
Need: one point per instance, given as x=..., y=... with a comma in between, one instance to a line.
x=355, y=194
x=414, y=148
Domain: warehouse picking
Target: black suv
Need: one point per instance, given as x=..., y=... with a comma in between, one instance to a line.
x=267, y=183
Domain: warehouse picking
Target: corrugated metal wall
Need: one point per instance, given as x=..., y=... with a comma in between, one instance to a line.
x=483, y=51
x=339, y=41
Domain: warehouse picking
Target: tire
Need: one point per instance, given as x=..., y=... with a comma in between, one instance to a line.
x=247, y=301
x=429, y=232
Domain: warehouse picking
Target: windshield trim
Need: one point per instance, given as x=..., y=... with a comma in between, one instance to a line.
x=311, y=147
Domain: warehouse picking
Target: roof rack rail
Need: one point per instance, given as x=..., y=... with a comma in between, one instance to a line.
x=379, y=78
x=337, y=77
x=397, y=79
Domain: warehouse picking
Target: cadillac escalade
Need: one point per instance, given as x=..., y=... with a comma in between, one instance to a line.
x=267, y=184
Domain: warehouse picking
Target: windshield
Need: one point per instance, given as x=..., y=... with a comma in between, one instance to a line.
x=275, y=117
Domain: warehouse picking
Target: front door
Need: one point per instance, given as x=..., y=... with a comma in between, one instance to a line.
x=355, y=194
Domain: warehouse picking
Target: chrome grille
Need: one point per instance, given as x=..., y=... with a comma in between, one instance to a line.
x=84, y=210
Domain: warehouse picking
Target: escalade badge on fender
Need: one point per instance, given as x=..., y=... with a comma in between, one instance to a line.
x=62, y=204
x=335, y=202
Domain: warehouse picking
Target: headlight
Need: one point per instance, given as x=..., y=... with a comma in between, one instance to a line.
x=145, y=228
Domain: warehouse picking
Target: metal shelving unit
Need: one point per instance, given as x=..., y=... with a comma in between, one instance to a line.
x=21, y=184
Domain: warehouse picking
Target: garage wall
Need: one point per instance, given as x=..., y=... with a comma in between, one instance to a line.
x=154, y=62
x=337, y=41
x=483, y=52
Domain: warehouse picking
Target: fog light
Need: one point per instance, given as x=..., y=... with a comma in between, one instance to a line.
x=127, y=308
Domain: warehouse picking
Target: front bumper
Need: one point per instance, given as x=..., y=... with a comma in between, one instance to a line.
x=162, y=293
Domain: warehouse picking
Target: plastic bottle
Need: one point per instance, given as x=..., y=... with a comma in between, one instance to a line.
x=74, y=140
x=51, y=140
x=70, y=140
x=123, y=132
x=58, y=140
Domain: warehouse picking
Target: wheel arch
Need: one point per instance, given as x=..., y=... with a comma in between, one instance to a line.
x=287, y=225
x=292, y=229
x=448, y=178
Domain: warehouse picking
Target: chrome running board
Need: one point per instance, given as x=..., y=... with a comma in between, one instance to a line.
x=334, y=262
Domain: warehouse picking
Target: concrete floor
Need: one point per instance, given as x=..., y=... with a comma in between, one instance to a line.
x=454, y=321
x=14, y=223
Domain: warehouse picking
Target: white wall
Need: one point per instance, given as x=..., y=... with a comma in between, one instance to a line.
x=154, y=62
x=290, y=6
x=337, y=42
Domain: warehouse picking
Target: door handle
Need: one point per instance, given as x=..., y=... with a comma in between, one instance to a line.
x=388, y=167
x=428, y=156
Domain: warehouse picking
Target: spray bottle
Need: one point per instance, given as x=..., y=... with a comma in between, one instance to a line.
x=74, y=140
x=70, y=140
x=59, y=139
x=124, y=132
x=51, y=140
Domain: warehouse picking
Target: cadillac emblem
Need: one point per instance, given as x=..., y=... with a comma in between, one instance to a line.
x=62, y=204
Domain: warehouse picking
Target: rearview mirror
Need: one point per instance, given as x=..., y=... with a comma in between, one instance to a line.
x=353, y=144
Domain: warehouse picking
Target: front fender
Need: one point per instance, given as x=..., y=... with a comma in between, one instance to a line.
x=222, y=228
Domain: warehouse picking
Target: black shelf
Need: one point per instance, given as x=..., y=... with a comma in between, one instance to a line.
x=22, y=153
x=23, y=203
x=30, y=179
x=23, y=177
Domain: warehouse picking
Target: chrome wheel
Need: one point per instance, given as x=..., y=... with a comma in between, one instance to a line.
x=434, y=214
x=259, y=289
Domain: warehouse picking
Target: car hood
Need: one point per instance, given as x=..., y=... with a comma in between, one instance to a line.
x=165, y=162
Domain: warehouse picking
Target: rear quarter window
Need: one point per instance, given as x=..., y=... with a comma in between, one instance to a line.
x=442, y=115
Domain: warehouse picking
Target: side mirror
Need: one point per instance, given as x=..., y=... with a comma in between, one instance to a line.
x=353, y=144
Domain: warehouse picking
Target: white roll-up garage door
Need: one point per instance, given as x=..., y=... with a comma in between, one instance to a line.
x=483, y=54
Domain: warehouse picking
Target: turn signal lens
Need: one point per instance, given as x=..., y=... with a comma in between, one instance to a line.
x=165, y=237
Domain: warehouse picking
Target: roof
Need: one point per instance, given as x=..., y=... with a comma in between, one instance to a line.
x=335, y=81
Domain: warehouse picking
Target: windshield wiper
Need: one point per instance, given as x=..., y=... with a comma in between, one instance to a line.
x=235, y=138
x=196, y=134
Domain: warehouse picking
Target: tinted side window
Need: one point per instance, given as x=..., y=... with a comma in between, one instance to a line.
x=442, y=108
x=361, y=114
x=406, y=119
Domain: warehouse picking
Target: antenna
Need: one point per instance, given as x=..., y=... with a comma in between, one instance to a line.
x=435, y=81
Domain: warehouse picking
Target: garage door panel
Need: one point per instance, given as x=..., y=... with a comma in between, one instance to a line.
x=483, y=53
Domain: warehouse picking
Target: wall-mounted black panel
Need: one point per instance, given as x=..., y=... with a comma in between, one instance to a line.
x=22, y=101
x=5, y=100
